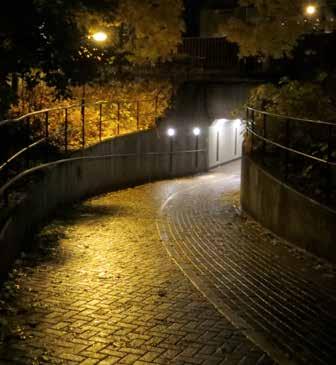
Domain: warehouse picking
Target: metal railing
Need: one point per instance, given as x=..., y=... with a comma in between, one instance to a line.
x=48, y=135
x=45, y=113
x=298, y=151
x=34, y=126
x=13, y=187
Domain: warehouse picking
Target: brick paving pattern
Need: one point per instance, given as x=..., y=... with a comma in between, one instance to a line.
x=284, y=298
x=108, y=293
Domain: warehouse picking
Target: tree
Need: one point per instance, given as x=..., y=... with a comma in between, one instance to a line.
x=153, y=29
x=307, y=100
x=52, y=36
x=129, y=105
x=274, y=28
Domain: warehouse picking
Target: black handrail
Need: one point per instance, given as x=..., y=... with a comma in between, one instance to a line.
x=73, y=106
x=290, y=149
x=327, y=185
x=280, y=116
x=19, y=153
x=81, y=107
x=62, y=132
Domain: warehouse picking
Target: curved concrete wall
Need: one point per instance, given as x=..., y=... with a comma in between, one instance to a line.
x=287, y=212
x=94, y=172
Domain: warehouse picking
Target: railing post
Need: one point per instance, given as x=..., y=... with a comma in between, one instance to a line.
x=265, y=136
x=118, y=116
x=66, y=130
x=47, y=125
x=100, y=121
x=171, y=150
x=287, y=142
x=138, y=114
x=46, y=121
x=83, y=122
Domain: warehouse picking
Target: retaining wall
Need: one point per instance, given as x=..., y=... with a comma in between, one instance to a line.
x=146, y=157
x=287, y=212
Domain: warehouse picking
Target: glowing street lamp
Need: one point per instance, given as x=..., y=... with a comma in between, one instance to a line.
x=171, y=134
x=310, y=10
x=196, y=132
x=99, y=37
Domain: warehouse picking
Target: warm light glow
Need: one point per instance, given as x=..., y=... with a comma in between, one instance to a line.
x=237, y=123
x=196, y=131
x=219, y=124
x=311, y=9
x=171, y=132
x=99, y=37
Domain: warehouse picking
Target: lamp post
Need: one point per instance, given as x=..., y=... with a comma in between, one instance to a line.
x=98, y=37
x=196, y=132
x=83, y=116
x=171, y=134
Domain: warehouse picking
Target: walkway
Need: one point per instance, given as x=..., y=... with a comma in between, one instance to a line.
x=103, y=289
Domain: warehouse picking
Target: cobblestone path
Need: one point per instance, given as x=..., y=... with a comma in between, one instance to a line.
x=284, y=298
x=108, y=293
x=105, y=291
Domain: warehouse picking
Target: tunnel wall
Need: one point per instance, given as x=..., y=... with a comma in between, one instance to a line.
x=287, y=212
x=93, y=172
x=225, y=141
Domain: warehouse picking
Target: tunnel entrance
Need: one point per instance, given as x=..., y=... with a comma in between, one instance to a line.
x=225, y=141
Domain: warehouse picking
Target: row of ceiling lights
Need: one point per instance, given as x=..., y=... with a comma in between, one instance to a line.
x=171, y=132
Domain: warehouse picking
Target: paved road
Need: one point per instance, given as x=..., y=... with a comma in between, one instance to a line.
x=157, y=275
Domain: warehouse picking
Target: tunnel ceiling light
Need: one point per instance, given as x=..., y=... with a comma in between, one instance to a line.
x=197, y=131
x=171, y=132
x=237, y=122
x=219, y=124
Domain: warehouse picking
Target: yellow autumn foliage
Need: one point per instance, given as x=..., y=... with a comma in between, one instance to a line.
x=110, y=110
x=274, y=28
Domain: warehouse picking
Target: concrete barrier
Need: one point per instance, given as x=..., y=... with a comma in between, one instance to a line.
x=287, y=212
x=141, y=157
